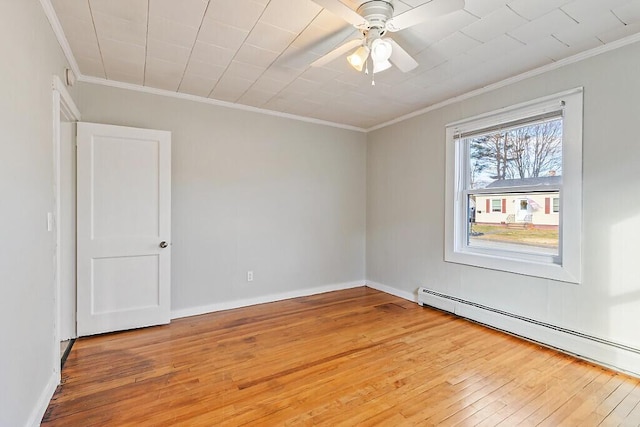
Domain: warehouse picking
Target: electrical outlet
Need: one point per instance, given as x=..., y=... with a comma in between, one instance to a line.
x=250, y=276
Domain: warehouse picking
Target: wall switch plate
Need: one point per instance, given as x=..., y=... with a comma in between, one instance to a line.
x=249, y=276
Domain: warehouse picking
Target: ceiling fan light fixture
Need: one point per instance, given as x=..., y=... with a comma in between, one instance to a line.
x=380, y=50
x=358, y=58
x=379, y=66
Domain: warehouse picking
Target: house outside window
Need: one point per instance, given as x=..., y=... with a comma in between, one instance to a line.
x=518, y=163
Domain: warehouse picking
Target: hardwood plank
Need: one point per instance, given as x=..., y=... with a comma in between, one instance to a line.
x=353, y=357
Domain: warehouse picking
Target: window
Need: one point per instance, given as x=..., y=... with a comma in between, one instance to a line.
x=520, y=162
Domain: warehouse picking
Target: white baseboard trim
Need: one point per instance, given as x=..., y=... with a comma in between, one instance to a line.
x=609, y=354
x=409, y=296
x=43, y=401
x=228, y=305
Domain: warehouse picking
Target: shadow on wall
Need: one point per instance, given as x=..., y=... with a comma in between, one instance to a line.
x=611, y=262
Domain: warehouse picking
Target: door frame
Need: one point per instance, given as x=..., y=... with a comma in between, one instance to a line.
x=63, y=105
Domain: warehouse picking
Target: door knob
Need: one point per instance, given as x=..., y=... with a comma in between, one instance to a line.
x=163, y=244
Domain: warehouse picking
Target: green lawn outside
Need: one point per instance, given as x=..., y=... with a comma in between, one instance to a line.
x=546, y=237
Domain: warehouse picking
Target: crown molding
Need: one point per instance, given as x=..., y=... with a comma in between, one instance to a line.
x=210, y=101
x=62, y=39
x=511, y=80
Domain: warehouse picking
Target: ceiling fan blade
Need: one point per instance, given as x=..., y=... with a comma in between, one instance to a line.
x=343, y=11
x=400, y=58
x=419, y=14
x=341, y=50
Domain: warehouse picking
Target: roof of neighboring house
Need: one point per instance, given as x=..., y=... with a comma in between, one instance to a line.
x=526, y=182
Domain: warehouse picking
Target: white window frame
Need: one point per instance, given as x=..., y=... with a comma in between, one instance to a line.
x=553, y=205
x=493, y=210
x=567, y=266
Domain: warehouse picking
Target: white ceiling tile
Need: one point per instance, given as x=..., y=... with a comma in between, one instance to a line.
x=290, y=15
x=205, y=70
x=230, y=88
x=588, y=29
x=75, y=28
x=586, y=10
x=185, y=12
x=329, y=22
x=171, y=31
x=320, y=75
x=118, y=29
x=269, y=37
x=437, y=29
x=619, y=33
x=556, y=50
x=72, y=9
x=429, y=59
x=90, y=66
x=250, y=54
x=545, y=25
x=481, y=8
x=241, y=14
x=115, y=49
x=162, y=81
x=523, y=60
x=494, y=48
x=167, y=51
x=134, y=11
x=534, y=9
x=168, y=68
x=85, y=47
x=222, y=35
x=494, y=24
x=628, y=13
x=115, y=66
x=196, y=85
x=302, y=86
x=255, y=98
x=136, y=79
x=297, y=58
x=212, y=54
x=268, y=84
x=245, y=71
x=453, y=45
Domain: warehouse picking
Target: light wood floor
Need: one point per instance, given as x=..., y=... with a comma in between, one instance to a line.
x=354, y=357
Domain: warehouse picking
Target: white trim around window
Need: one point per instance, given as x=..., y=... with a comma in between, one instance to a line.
x=565, y=267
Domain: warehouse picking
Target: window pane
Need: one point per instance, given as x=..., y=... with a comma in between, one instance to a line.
x=524, y=227
x=512, y=220
x=522, y=156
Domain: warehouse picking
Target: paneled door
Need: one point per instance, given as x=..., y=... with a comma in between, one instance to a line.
x=123, y=228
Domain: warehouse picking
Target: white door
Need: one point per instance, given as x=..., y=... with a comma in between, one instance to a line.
x=522, y=210
x=123, y=228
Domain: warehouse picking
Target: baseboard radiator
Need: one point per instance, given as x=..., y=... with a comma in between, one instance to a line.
x=611, y=354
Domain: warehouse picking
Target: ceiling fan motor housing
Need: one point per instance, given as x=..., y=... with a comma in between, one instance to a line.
x=376, y=13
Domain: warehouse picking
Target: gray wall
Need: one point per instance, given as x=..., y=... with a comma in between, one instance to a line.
x=30, y=57
x=283, y=198
x=405, y=205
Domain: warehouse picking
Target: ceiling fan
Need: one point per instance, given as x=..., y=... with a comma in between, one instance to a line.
x=374, y=19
